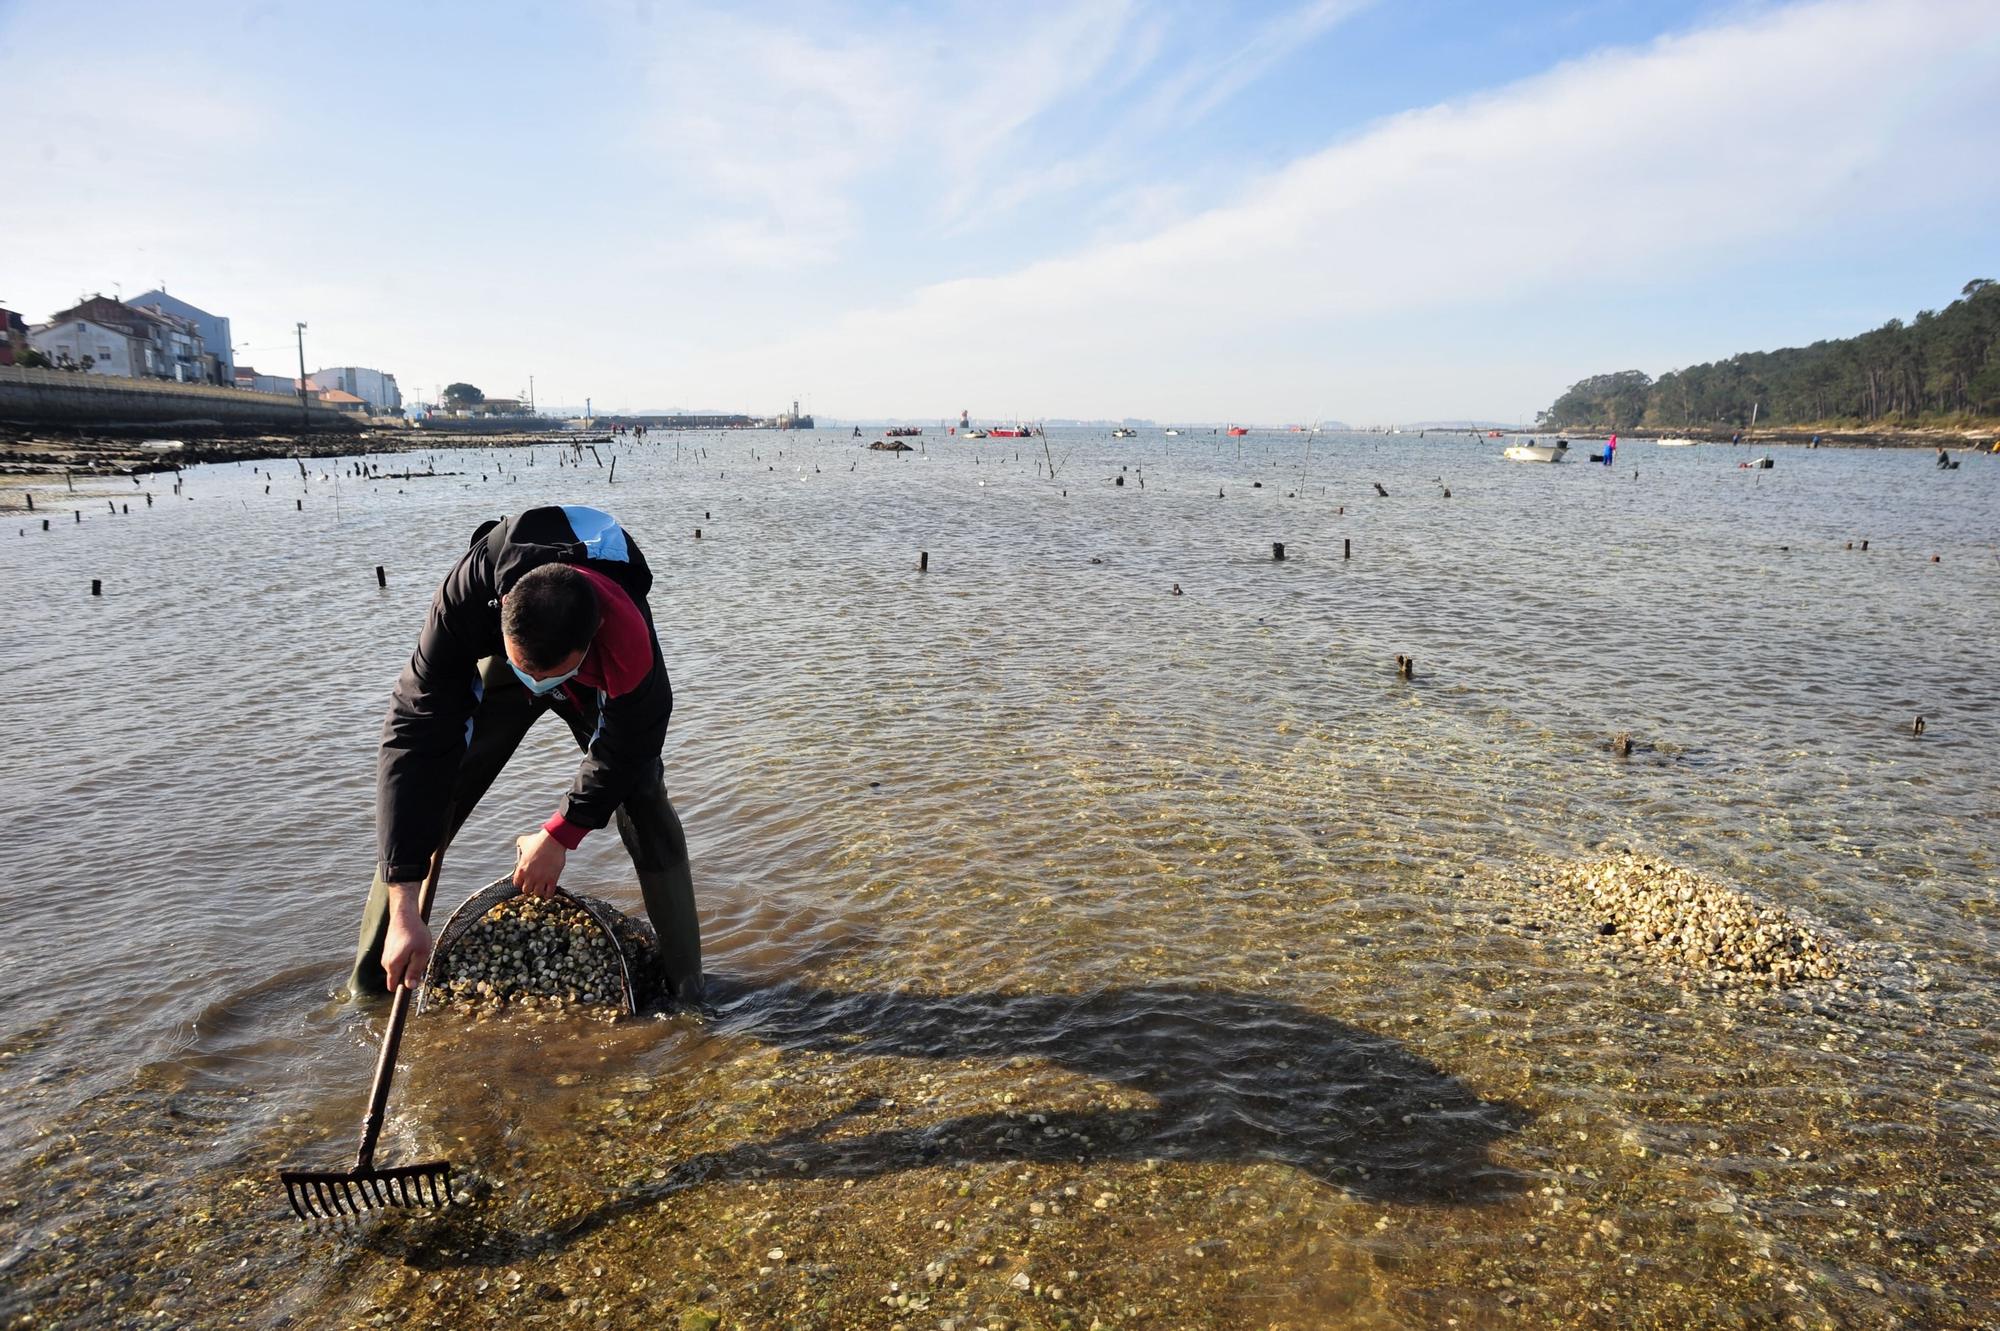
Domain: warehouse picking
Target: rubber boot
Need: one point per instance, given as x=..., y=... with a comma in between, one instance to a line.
x=652, y=834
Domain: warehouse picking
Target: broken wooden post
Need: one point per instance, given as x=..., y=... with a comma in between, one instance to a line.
x=381, y=576
x=1347, y=547
x=1277, y=550
x=1406, y=666
x=1621, y=744
x=697, y=533
x=1380, y=491
x=1917, y=726
x=31, y=500
x=96, y=587
x=612, y=479
x=923, y=561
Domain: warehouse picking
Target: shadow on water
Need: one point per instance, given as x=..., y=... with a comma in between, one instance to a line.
x=1230, y=1078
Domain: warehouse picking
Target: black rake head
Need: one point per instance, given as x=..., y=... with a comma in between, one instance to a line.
x=341, y=1194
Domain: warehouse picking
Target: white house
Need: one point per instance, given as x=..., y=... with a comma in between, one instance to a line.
x=375, y=388
x=109, y=350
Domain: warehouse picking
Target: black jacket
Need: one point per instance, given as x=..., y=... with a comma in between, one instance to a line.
x=424, y=735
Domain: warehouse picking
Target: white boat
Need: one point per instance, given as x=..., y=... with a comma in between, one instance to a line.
x=972, y=434
x=1537, y=452
x=1174, y=433
x=1123, y=433
x=1677, y=442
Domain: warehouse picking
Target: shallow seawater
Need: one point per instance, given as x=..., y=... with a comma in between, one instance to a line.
x=1081, y=953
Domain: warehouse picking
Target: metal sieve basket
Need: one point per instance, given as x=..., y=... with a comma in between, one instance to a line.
x=632, y=945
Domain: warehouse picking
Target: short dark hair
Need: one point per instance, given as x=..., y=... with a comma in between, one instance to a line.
x=550, y=613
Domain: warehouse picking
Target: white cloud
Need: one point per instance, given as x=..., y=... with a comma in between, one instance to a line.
x=1694, y=148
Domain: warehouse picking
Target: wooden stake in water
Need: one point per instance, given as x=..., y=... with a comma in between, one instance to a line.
x=923, y=561
x=381, y=576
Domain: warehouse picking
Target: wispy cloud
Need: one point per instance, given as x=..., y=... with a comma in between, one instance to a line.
x=1697, y=146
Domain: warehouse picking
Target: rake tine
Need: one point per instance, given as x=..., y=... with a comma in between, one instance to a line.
x=356, y=1207
x=448, y=1198
x=381, y=1193
x=292, y=1196
x=326, y=1207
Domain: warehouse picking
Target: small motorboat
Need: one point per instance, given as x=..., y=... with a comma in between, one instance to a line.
x=1237, y=432
x=1537, y=452
x=972, y=434
x=1011, y=432
x=1173, y=434
x=1678, y=441
x=1122, y=433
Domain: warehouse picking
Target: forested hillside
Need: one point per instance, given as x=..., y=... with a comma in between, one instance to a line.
x=1944, y=363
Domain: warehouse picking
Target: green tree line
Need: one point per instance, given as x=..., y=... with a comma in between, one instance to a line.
x=1942, y=363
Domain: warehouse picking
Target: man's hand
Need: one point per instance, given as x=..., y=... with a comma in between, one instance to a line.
x=407, y=948
x=538, y=864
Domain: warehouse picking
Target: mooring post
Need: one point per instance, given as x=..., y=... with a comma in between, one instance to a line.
x=1621, y=744
x=923, y=561
x=1347, y=547
x=1917, y=726
x=1380, y=491
x=697, y=533
x=96, y=587
x=45, y=524
x=79, y=514
x=1406, y=666
x=31, y=500
x=69, y=480
x=301, y=503
x=381, y=576
x=612, y=479
x=1277, y=550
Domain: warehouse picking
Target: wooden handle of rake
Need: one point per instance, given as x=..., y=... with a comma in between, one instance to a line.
x=399, y=1012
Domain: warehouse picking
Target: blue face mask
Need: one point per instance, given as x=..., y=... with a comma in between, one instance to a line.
x=541, y=688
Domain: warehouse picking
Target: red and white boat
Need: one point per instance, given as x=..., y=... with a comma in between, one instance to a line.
x=1012, y=432
x=1236, y=431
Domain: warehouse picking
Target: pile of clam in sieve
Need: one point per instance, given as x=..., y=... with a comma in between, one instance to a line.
x=541, y=954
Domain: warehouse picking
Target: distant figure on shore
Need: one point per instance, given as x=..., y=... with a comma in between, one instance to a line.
x=546, y=612
x=1736, y=438
x=1610, y=447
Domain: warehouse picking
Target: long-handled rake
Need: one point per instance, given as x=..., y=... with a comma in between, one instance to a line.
x=333, y=1194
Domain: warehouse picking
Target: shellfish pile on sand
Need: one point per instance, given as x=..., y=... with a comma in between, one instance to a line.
x=1700, y=923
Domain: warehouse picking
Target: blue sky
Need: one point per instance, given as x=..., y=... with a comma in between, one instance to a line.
x=1376, y=212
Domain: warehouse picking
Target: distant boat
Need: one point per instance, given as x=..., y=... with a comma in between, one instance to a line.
x=1537, y=452
x=1012, y=432
x=1173, y=434
x=1122, y=433
x=904, y=431
x=972, y=434
x=1237, y=431
x=1677, y=441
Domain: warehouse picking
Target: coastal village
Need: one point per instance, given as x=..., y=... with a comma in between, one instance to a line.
x=158, y=336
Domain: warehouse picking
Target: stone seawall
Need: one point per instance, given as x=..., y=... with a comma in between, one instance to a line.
x=102, y=402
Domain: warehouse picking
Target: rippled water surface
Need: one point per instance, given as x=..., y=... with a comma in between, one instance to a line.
x=1081, y=952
